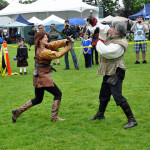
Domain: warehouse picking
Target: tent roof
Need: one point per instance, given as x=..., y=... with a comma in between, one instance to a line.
x=52, y=21
x=4, y=20
x=35, y=20
x=46, y=6
x=22, y=20
x=15, y=24
x=110, y=19
x=54, y=18
x=148, y=17
x=19, y=22
x=140, y=13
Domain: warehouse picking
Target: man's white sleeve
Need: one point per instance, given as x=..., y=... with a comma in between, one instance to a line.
x=110, y=51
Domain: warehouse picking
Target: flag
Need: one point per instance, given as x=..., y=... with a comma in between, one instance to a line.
x=144, y=12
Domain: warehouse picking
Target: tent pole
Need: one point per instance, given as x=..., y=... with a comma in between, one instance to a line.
x=81, y=11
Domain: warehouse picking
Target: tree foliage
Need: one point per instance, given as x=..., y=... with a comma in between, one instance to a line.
x=3, y=3
x=109, y=6
x=27, y=1
x=132, y=6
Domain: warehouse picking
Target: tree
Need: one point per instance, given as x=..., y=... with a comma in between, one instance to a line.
x=109, y=6
x=27, y=1
x=3, y=3
x=131, y=7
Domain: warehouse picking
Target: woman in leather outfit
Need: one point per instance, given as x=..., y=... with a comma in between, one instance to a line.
x=42, y=80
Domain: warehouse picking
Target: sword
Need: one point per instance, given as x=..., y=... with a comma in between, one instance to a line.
x=67, y=37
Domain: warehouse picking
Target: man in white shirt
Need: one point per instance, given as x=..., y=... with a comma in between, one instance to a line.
x=111, y=64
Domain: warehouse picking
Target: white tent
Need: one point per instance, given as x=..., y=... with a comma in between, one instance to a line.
x=119, y=18
x=110, y=19
x=35, y=20
x=15, y=24
x=43, y=8
x=53, y=18
x=5, y=20
x=107, y=19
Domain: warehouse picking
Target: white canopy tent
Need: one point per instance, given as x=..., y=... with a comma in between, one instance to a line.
x=43, y=8
x=107, y=19
x=53, y=18
x=5, y=20
x=15, y=24
x=35, y=20
x=110, y=19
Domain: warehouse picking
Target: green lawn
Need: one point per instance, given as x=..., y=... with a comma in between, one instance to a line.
x=34, y=129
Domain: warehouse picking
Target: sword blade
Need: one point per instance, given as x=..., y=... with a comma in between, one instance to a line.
x=65, y=36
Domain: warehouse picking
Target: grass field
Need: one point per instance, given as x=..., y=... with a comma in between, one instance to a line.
x=34, y=130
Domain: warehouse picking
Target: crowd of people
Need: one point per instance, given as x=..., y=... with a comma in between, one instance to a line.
x=108, y=41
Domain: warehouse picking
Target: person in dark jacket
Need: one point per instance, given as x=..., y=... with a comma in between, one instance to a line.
x=22, y=56
x=32, y=34
x=69, y=32
x=42, y=80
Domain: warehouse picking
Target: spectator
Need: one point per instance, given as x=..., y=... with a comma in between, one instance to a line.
x=77, y=32
x=41, y=28
x=32, y=34
x=87, y=51
x=140, y=30
x=54, y=37
x=0, y=33
x=129, y=30
x=85, y=29
x=69, y=32
x=22, y=56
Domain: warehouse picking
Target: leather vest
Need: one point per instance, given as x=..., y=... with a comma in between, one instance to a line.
x=109, y=66
x=43, y=78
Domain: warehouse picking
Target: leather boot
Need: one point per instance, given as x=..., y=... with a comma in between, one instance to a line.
x=16, y=112
x=55, y=109
x=100, y=113
x=131, y=120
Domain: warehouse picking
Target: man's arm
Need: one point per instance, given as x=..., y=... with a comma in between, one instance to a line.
x=145, y=27
x=110, y=51
x=133, y=27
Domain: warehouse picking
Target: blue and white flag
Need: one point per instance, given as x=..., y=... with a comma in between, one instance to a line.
x=144, y=12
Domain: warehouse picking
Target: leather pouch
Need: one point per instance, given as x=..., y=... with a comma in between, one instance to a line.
x=112, y=80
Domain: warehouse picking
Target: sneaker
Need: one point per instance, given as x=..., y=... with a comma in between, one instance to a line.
x=25, y=73
x=20, y=73
x=54, y=63
x=144, y=62
x=58, y=64
x=137, y=62
x=77, y=68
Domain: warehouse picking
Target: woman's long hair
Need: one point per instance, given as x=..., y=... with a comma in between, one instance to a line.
x=39, y=36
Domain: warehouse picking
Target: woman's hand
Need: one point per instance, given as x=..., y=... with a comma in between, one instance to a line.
x=70, y=41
